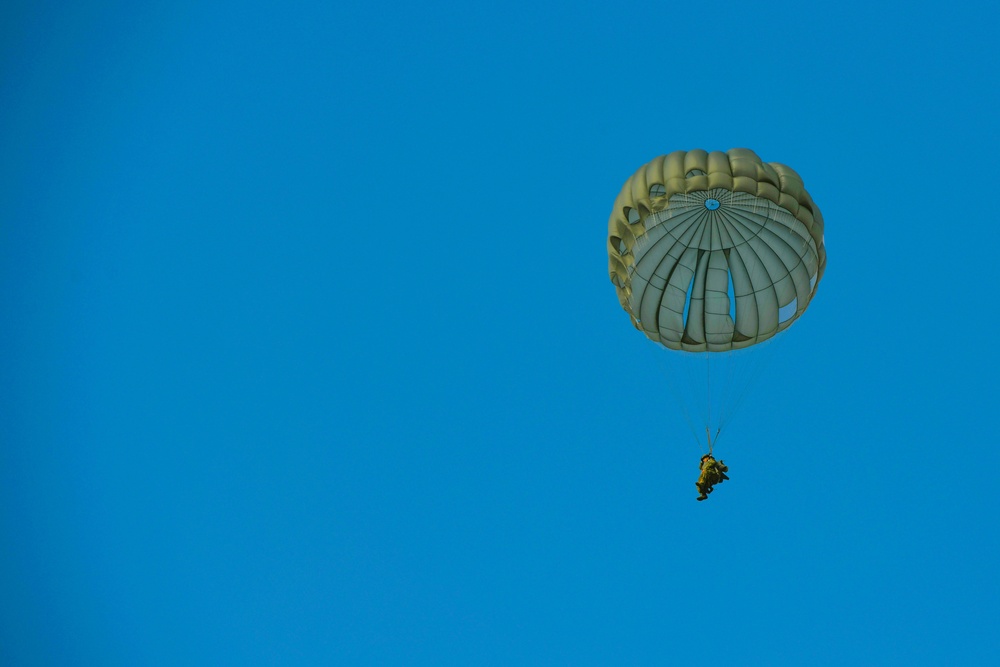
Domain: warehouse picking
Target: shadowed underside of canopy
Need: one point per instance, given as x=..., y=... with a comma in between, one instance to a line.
x=714, y=251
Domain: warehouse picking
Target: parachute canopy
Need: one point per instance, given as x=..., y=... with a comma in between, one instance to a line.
x=714, y=251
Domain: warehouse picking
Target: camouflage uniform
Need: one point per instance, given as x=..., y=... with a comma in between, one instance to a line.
x=712, y=472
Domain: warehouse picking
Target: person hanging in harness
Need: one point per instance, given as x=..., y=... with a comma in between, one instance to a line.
x=712, y=472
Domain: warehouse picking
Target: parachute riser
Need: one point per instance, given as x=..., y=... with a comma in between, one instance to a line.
x=708, y=436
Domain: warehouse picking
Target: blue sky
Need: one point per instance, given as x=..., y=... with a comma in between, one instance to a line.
x=309, y=354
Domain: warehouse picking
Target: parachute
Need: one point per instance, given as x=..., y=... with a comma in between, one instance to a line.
x=714, y=252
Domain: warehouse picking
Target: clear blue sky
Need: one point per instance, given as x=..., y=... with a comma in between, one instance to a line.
x=309, y=354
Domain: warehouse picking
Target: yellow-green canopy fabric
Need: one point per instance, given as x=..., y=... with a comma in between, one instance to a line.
x=714, y=251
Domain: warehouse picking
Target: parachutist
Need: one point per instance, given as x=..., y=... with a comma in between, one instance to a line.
x=712, y=472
